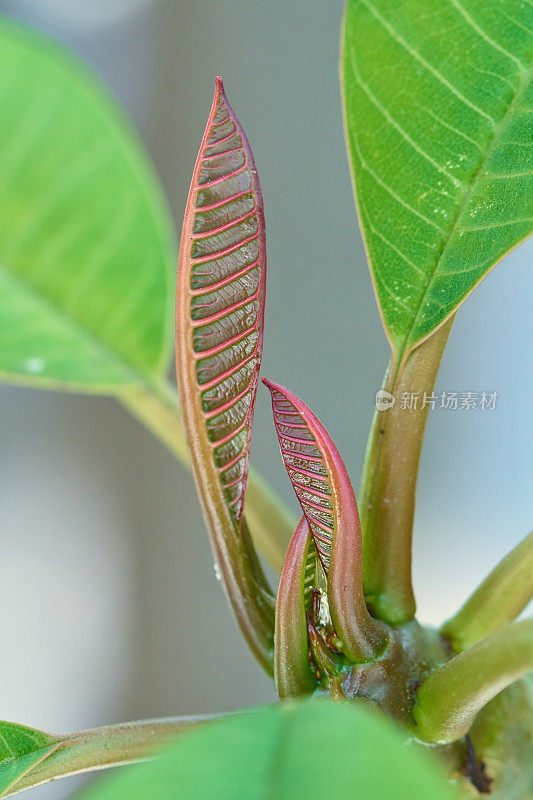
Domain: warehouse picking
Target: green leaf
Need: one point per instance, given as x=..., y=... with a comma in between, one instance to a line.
x=21, y=749
x=316, y=749
x=87, y=253
x=86, y=245
x=436, y=100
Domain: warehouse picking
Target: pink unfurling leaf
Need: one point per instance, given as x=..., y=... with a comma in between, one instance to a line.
x=221, y=294
x=323, y=488
x=219, y=338
x=316, y=470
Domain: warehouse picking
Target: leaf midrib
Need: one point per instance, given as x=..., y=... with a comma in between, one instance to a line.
x=403, y=352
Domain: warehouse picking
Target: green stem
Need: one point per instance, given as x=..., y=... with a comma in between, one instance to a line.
x=270, y=521
x=501, y=597
x=108, y=746
x=387, y=497
x=449, y=699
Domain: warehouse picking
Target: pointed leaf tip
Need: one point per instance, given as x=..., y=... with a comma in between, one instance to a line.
x=219, y=338
x=220, y=300
x=315, y=468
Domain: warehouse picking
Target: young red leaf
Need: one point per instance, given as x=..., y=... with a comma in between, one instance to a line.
x=323, y=488
x=292, y=671
x=219, y=337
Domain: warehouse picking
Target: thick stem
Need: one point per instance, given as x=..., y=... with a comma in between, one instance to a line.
x=501, y=597
x=387, y=497
x=449, y=698
x=271, y=523
x=108, y=746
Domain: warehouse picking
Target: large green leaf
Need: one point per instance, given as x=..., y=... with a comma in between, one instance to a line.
x=437, y=100
x=86, y=246
x=317, y=750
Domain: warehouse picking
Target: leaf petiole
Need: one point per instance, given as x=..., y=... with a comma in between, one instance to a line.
x=449, y=699
x=500, y=598
x=93, y=749
x=388, y=485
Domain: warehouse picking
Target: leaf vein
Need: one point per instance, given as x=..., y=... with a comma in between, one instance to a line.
x=421, y=60
x=479, y=30
x=390, y=119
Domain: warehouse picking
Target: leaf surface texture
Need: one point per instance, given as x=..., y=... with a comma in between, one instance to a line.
x=437, y=103
x=86, y=244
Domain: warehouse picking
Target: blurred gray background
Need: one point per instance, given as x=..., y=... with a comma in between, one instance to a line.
x=111, y=606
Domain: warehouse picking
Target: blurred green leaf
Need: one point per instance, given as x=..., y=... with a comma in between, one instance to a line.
x=316, y=749
x=437, y=101
x=86, y=244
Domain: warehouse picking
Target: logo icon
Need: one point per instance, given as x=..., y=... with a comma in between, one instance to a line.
x=384, y=400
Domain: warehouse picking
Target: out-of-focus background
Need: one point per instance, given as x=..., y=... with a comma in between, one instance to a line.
x=111, y=609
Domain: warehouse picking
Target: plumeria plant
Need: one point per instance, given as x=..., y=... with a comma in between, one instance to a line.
x=437, y=109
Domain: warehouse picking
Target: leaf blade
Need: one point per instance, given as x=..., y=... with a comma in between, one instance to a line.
x=221, y=281
x=86, y=239
x=220, y=301
x=322, y=485
x=430, y=157
x=315, y=469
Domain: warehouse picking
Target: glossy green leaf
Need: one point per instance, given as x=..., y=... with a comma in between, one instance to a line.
x=317, y=749
x=86, y=245
x=437, y=102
